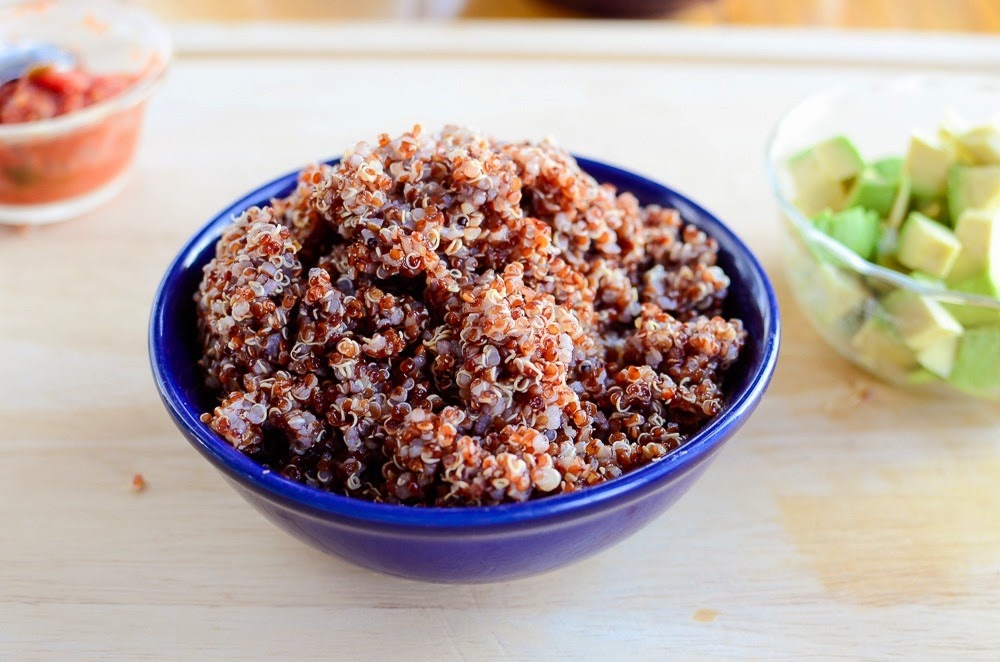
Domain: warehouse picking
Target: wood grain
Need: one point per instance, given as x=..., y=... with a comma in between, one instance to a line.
x=952, y=15
x=833, y=525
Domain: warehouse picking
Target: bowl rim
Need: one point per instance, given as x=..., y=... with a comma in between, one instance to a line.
x=149, y=79
x=844, y=255
x=324, y=505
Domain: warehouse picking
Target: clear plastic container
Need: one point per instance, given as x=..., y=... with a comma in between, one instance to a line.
x=843, y=295
x=54, y=169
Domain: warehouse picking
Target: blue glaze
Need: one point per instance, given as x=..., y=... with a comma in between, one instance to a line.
x=476, y=544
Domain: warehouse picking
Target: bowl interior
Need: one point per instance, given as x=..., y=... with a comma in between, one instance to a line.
x=174, y=352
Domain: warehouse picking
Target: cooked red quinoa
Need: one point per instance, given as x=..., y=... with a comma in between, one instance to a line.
x=454, y=320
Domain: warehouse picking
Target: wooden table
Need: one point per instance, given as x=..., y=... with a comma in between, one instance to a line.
x=845, y=519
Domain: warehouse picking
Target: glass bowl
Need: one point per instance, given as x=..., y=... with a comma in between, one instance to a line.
x=54, y=169
x=843, y=295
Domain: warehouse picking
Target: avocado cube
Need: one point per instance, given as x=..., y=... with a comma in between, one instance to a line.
x=952, y=126
x=926, y=245
x=889, y=168
x=839, y=157
x=822, y=173
x=977, y=362
x=979, y=233
x=987, y=284
x=879, y=345
x=838, y=293
x=982, y=144
x=815, y=191
x=922, y=322
x=939, y=358
x=900, y=204
x=857, y=228
x=973, y=187
x=872, y=191
x=927, y=164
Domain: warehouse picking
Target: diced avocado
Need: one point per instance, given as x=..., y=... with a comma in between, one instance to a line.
x=985, y=284
x=982, y=144
x=839, y=293
x=815, y=191
x=973, y=187
x=952, y=126
x=927, y=164
x=822, y=174
x=872, y=191
x=840, y=158
x=901, y=204
x=928, y=246
x=936, y=208
x=879, y=345
x=977, y=362
x=939, y=358
x=856, y=228
x=978, y=232
x=889, y=168
x=922, y=321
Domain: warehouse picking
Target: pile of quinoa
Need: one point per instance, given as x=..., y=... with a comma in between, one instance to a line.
x=448, y=319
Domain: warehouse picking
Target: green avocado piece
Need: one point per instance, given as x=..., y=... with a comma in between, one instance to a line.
x=979, y=233
x=952, y=126
x=872, y=191
x=982, y=144
x=922, y=322
x=889, y=168
x=977, y=362
x=880, y=346
x=927, y=164
x=823, y=173
x=838, y=293
x=973, y=187
x=901, y=204
x=984, y=284
x=857, y=228
x=839, y=158
x=815, y=191
x=926, y=245
x=939, y=358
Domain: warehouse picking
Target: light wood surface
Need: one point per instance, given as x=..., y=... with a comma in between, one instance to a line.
x=845, y=520
x=956, y=15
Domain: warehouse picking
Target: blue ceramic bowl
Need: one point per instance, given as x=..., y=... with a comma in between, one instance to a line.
x=476, y=544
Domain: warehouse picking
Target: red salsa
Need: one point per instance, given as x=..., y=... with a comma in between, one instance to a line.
x=63, y=164
x=47, y=92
